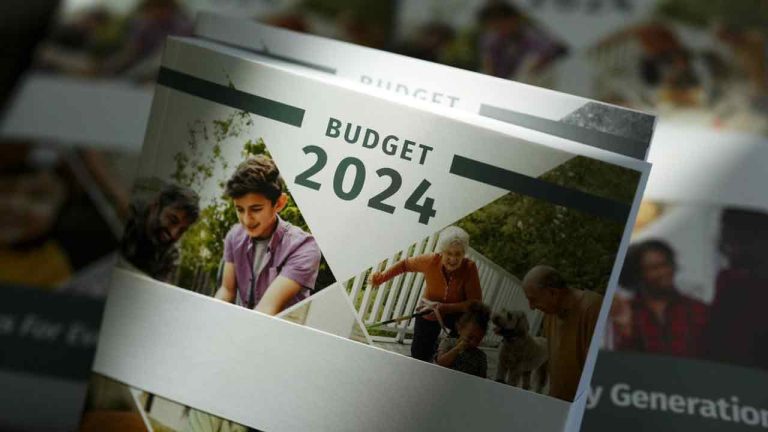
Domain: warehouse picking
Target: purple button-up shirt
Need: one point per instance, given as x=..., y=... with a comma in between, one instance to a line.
x=291, y=253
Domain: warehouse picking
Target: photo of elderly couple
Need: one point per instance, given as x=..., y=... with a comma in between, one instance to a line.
x=510, y=292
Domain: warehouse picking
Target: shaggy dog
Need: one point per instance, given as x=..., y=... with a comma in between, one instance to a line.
x=520, y=353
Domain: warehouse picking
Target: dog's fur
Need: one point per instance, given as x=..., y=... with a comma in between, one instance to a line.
x=521, y=354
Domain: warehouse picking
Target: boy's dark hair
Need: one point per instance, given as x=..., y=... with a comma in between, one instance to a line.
x=477, y=313
x=257, y=174
x=632, y=271
x=180, y=197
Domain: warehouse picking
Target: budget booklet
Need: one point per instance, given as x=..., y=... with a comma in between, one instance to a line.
x=432, y=268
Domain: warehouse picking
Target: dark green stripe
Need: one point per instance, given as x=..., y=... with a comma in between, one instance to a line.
x=602, y=140
x=234, y=98
x=540, y=189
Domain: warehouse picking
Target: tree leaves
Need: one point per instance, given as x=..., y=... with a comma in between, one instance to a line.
x=518, y=232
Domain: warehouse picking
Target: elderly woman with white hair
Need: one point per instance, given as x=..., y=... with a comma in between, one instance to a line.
x=452, y=285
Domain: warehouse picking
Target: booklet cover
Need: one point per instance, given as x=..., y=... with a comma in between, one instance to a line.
x=477, y=256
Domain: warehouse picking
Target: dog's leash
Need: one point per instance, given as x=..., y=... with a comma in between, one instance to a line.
x=432, y=306
x=426, y=307
x=398, y=319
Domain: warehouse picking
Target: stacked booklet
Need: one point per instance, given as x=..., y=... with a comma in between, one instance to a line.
x=329, y=237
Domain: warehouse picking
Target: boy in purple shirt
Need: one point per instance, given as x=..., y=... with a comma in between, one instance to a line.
x=269, y=263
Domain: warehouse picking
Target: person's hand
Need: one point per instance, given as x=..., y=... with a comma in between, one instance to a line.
x=621, y=315
x=432, y=316
x=376, y=278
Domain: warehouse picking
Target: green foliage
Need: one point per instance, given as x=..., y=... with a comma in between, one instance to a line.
x=202, y=246
x=518, y=232
x=596, y=177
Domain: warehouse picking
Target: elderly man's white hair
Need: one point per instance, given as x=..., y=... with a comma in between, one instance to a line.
x=451, y=236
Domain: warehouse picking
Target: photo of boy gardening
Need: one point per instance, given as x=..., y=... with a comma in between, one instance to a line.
x=218, y=219
x=269, y=264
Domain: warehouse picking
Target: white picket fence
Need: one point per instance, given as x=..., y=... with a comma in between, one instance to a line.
x=398, y=297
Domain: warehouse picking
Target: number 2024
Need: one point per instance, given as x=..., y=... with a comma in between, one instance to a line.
x=425, y=211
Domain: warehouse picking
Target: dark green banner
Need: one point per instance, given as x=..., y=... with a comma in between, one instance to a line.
x=641, y=392
x=48, y=334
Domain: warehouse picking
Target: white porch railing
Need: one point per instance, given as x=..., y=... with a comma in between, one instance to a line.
x=398, y=297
